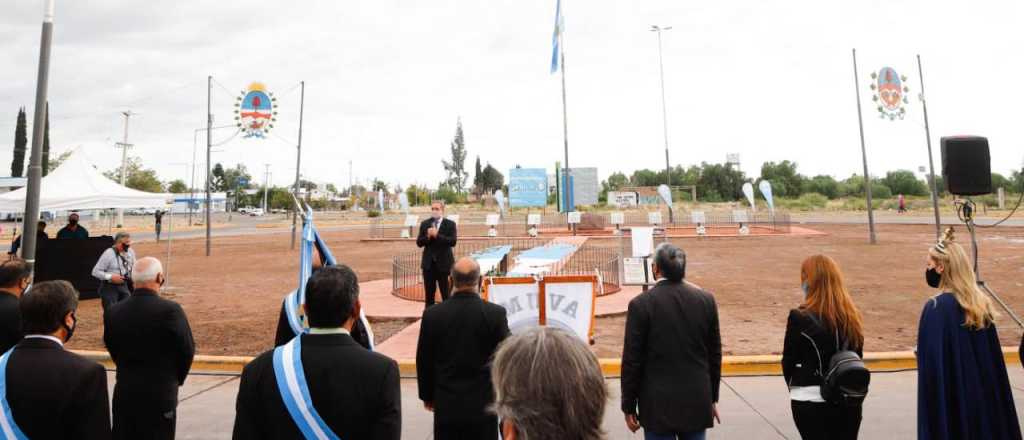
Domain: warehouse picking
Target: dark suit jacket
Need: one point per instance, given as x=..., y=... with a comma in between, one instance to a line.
x=284, y=331
x=354, y=390
x=10, y=321
x=672, y=358
x=453, y=356
x=56, y=394
x=437, y=252
x=151, y=343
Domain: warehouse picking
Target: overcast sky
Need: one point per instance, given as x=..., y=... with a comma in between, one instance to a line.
x=386, y=81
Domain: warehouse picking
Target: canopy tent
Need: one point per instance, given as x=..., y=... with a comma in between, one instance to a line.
x=77, y=185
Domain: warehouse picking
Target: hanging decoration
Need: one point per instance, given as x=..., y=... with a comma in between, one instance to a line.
x=890, y=93
x=255, y=111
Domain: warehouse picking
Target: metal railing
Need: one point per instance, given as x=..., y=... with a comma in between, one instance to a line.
x=407, y=276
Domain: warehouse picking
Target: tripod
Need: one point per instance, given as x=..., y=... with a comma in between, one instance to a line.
x=965, y=210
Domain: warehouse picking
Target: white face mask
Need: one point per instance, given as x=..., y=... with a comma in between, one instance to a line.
x=436, y=215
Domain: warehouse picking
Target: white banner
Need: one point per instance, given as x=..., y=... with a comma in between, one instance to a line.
x=569, y=302
x=519, y=296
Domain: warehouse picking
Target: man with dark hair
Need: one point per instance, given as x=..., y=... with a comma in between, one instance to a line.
x=457, y=339
x=344, y=390
x=73, y=230
x=51, y=392
x=437, y=238
x=14, y=279
x=151, y=343
x=40, y=237
x=672, y=356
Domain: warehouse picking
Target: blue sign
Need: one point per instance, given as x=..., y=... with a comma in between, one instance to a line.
x=527, y=187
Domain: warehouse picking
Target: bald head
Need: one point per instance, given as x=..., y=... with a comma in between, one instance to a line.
x=148, y=273
x=465, y=274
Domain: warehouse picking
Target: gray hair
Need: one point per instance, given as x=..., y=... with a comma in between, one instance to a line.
x=671, y=261
x=549, y=386
x=146, y=269
x=121, y=234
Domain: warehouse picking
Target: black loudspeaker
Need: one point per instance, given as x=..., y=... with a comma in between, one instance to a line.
x=966, y=165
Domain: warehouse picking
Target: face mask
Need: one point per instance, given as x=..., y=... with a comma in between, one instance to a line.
x=125, y=246
x=73, y=221
x=933, y=278
x=803, y=286
x=71, y=330
x=162, y=280
x=436, y=215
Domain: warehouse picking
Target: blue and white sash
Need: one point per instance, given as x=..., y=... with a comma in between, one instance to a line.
x=291, y=382
x=8, y=428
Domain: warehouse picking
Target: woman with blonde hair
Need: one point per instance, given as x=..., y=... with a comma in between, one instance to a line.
x=825, y=323
x=963, y=391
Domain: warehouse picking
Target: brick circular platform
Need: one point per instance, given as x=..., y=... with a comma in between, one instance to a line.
x=416, y=293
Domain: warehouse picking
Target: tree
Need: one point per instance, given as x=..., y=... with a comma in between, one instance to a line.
x=418, y=195
x=904, y=182
x=1018, y=182
x=177, y=186
x=331, y=188
x=490, y=180
x=720, y=182
x=379, y=185
x=230, y=179
x=20, y=145
x=646, y=177
x=822, y=184
x=137, y=177
x=1000, y=181
x=786, y=182
x=46, y=142
x=456, y=169
x=478, y=176
x=614, y=182
x=854, y=187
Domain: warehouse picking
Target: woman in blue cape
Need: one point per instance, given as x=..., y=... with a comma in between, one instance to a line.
x=963, y=391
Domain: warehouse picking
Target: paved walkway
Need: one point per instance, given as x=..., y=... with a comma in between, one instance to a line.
x=751, y=408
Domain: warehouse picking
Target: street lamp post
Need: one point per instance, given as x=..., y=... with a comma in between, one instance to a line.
x=664, y=111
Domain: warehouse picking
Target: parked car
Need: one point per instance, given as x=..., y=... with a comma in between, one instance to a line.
x=256, y=212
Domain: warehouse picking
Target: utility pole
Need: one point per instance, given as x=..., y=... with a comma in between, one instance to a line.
x=35, y=168
x=931, y=163
x=209, y=146
x=864, y=155
x=266, y=186
x=124, y=163
x=298, y=157
x=664, y=111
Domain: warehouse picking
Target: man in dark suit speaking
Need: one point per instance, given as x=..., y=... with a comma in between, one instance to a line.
x=437, y=238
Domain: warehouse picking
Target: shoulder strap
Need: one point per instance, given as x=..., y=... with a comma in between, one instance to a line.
x=8, y=428
x=291, y=382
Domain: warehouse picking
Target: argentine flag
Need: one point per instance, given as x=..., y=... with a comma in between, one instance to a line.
x=556, y=38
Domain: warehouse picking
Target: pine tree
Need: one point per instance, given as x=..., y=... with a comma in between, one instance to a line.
x=46, y=141
x=478, y=176
x=20, y=142
x=456, y=169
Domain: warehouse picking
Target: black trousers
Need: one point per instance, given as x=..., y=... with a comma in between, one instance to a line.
x=824, y=421
x=483, y=429
x=136, y=417
x=434, y=279
x=111, y=294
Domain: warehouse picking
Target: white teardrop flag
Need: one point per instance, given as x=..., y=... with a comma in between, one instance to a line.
x=499, y=197
x=403, y=200
x=380, y=199
x=666, y=194
x=766, y=191
x=748, y=190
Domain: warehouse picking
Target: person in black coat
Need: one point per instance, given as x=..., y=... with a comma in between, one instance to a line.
x=672, y=356
x=437, y=238
x=150, y=341
x=355, y=391
x=54, y=393
x=456, y=342
x=40, y=238
x=815, y=332
x=14, y=279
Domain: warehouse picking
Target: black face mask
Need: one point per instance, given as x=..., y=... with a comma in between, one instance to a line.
x=70, y=330
x=73, y=221
x=933, y=277
x=125, y=246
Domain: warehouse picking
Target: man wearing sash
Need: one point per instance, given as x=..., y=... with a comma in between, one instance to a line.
x=150, y=341
x=321, y=384
x=453, y=356
x=14, y=279
x=47, y=392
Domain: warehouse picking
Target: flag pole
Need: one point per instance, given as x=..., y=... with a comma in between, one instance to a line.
x=864, y=152
x=567, y=194
x=931, y=163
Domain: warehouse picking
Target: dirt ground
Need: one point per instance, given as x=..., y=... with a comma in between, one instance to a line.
x=233, y=297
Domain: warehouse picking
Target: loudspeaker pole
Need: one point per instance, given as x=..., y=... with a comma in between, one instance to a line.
x=931, y=163
x=864, y=152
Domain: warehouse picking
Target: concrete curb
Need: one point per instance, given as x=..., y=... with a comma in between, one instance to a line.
x=756, y=365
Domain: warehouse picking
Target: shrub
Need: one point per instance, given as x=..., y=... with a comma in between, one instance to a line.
x=373, y=213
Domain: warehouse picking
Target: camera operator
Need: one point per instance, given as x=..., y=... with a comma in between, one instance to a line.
x=114, y=270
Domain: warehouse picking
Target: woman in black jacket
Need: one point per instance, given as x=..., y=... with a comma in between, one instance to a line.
x=825, y=321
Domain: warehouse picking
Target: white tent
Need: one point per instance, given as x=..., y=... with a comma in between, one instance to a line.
x=77, y=185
